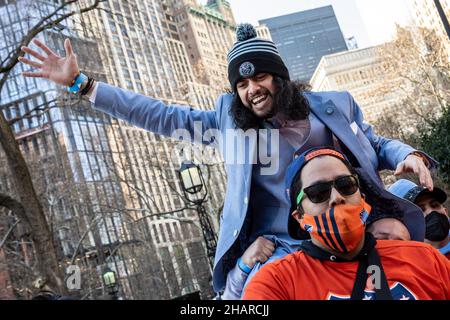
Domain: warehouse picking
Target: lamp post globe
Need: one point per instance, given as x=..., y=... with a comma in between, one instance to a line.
x=109, y=278
x=195, y=192
x=191, y=180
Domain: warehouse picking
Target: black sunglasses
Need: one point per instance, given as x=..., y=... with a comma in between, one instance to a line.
x=320, y=192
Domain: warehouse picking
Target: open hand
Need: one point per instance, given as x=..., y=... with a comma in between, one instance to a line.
x=415, y=164
x=61, y=70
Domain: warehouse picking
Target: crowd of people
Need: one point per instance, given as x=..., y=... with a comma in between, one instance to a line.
x=314, y=226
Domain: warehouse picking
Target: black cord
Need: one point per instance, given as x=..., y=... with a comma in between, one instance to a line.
x=88, y=87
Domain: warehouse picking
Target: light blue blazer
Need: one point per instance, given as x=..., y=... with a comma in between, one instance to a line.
x=337, y=110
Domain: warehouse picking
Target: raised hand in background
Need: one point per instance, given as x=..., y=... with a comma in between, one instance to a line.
x=61, y=70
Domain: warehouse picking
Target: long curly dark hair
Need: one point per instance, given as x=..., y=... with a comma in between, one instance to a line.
x=288, y=99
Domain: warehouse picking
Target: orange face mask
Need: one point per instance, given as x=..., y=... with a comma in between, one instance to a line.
x=340, y=228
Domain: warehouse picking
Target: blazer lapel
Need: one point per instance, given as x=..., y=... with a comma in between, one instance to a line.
x=333, y=118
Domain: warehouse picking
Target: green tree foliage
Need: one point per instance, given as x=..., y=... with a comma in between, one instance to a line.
x=417, y=77
x=434, y=138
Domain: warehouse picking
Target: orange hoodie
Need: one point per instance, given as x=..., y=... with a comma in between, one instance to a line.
x=414, y=270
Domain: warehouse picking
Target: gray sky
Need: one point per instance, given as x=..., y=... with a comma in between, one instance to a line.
x=370, y=21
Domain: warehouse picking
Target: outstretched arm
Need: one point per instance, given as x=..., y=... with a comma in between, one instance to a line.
x=139, y=110
x=176, y=121
x=395, y=155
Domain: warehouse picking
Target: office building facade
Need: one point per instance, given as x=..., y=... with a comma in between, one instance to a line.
x=361, y=73
x=304, y=37
x=111, y=188
x=426, y=15
x=208, y=32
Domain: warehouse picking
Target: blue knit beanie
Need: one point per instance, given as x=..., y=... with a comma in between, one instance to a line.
x=251, y=55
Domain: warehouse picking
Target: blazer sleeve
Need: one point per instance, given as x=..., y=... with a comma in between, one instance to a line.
x=389, y=152
x=155, y=116
x=235, y=284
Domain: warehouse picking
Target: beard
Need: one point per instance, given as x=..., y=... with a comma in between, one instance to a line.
x=262, y=104
x=287, y=98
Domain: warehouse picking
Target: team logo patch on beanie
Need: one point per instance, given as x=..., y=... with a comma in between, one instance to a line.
x=247, y=69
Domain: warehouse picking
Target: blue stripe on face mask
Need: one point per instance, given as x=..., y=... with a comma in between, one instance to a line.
x=319, y=231
x=336, y=230
x=328, y=233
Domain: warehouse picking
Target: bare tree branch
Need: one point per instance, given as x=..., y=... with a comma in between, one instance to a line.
x=8, y=233
x=38, y=28
x=47, y=269
x=92, y=223
x=15, y=206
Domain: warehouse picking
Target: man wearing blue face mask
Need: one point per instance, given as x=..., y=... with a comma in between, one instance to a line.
x=436, y=215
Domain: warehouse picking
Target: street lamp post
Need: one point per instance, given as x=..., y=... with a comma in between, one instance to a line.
x=195, y=191
x=110, y=281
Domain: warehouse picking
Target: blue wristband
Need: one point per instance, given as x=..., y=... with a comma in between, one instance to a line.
x=245, y=268
x=78, y=81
